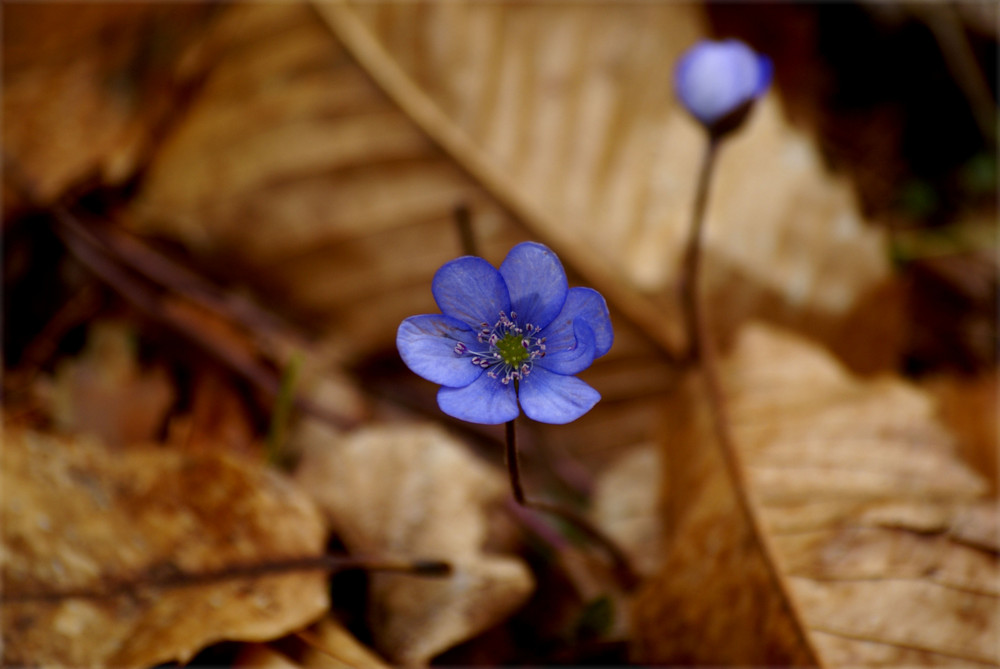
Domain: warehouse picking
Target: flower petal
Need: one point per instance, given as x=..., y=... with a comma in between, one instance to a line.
x=427, y=345
x=485, y=401
x=554, y=398
x=471, y=290
x=582, y=304
x=536, y=283
x=714, y=78
x=569, y=354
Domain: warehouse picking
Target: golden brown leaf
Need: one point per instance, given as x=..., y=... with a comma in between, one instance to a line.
x=79, y=517
x=104, y=393
x=86, y=87
x=878, y=543
x=413, y=491
x=333, y=647
x=566, y=114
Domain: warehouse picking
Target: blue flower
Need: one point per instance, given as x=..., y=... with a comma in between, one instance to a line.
x=517, y=334
x=718, y=82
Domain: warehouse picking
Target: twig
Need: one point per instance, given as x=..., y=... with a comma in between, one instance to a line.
x=466, y=236
x=89, y=250
x=169, y=577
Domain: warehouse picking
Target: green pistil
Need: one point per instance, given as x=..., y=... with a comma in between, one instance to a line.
x=512, y=351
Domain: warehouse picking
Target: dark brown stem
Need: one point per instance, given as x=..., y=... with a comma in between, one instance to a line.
x=622, y=566
x=467, y=238
x=702, y=354
x=170, y=577
x=691, y=267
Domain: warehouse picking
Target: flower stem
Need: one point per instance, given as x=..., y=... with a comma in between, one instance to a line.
x=463, y=221
x=702, y=354
x=622, y=566
x=692, y=254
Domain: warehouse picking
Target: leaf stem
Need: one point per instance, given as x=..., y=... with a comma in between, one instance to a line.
x=621, y=565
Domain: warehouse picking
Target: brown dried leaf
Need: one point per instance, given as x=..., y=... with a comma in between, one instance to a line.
x=78, y=516
x=333, y=647
x=293, y=161
x=876, y=543
x=411, y=490
x=565, y=113
x=85, y=87
x=627, y=506
x=104, y=393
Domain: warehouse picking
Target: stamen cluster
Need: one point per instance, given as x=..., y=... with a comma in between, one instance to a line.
x=510, y=351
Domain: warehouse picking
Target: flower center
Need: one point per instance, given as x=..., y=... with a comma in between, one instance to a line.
x=509, y=350
x=512, y=350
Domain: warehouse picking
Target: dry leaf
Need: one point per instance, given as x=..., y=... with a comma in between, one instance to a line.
x=295, y=161
x=104, y=393
x=969, y=408
x=86, y=87
x=78, y=516
x=627, y=506
x=261, y=656
x=333, y=647
x=411, y=490
x=863, y=558
x=566, y=114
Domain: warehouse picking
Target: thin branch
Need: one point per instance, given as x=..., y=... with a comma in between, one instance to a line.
x=171, y=578
x=466, y=235
x=90, y=251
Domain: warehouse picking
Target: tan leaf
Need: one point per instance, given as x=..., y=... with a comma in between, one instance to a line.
x=411, y=490
x=104, y=393
x=79, y=517
x=566, y=114
x=83, y=95
x=333, y=646
x=331, y=175
x=872, y=543
x=627, y=506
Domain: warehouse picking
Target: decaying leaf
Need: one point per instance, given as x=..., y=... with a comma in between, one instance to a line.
x=627, y=506
x=566, y=113
x=78, y=517
x=860, y=499
x=411, y=490
x=326, y=169
x=84, y=97
x=333, y=647
x=104, y=393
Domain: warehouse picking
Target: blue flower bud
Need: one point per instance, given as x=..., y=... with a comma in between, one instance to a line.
x=718, y=82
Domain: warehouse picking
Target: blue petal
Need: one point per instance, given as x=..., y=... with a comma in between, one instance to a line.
x=765, y=72
x=571, y=351
x=554, y=398
x=427, y=345
x=485, y=401
x=536, y=282
x=471, y=290
x=582, y=304
x=714, y=78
